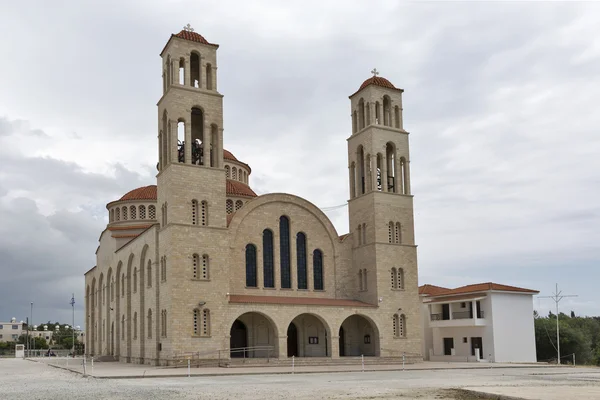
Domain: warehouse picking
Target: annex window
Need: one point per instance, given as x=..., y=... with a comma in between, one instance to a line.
x=205, y=262
x=195, y=265
x=142, y=212
x=132, y=212
x=204, y=213
x=206, y=322
x=194, y=212
x=151, y=212
x=229, y=206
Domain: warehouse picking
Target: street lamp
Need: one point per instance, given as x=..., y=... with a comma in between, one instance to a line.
x=31, y=315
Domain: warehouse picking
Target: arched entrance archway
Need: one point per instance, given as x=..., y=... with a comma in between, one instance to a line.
x=292, y=340
x=253, y=335
x=359, y=336
x=238, y=339
x=308, y=336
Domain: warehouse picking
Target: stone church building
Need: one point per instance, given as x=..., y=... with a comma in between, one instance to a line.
x=200, y=263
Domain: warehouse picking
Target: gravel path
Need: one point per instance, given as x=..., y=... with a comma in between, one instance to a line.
x=26, y=380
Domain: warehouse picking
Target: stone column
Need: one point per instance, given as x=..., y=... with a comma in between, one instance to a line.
x=335, y=346
x=384, y=178
x=206, y=145
x=187, y=129
x=282, y=341
x=397, y=174
x=187, y=81
x=173, y=142
x=407, y=176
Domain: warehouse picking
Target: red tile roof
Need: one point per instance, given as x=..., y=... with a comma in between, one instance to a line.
x=432, y=290
x=344, y=236
x=192, y=36
x=236, y=188
x=141, y=193
x=377, y=81
x=228, y=156
x=308, y=301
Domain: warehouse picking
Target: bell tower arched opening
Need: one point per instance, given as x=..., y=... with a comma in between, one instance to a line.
x=197, y=136
x=195, y=69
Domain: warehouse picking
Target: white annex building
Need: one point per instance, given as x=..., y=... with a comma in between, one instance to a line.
x=480, y=322
x=199, y=263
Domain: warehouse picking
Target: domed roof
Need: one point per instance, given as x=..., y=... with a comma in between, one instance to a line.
x=377, y=81
x=192, y=36
x=235, y=188
x=141, y=193
x=228, y=156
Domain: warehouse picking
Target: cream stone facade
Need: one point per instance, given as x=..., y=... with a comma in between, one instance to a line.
x=199, y=263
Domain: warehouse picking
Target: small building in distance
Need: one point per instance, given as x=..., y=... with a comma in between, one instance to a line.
x=10, y=331
x=481, y=322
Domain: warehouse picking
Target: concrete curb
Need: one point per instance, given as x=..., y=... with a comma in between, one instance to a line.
x=296, y=372
x=485, y=395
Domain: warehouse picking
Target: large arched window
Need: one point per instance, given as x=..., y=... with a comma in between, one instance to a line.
x=301, y=260
x=284, y=248
x=318, y=269
x=268, y=259
x=251, y=265
x=387, y=111
x=390, y=159
x=197, y=129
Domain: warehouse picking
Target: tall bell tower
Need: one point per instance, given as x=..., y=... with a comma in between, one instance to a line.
x=190, y=132
x=191, y=190
x=381, y=206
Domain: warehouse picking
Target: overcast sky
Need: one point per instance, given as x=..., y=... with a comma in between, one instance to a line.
x=501, y=102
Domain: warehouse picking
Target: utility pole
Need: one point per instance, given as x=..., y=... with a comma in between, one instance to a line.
x=73, y=326
x=557, y=297
x=32, y=327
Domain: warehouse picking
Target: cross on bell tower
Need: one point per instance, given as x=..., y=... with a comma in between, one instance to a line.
x=373, y=71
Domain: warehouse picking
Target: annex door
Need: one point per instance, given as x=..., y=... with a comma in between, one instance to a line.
x=292, y=340
x=238, y=339
x=477, y=343
x=448, y=346
x=445, y=312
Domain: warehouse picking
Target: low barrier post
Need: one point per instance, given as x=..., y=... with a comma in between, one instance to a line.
x=293, y=362
x=188, y=367
x=403, y=360
x=362, y=358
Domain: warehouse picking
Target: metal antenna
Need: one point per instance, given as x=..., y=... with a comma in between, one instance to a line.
x=557, y=297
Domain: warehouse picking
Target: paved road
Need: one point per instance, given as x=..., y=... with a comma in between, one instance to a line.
x=20, y=380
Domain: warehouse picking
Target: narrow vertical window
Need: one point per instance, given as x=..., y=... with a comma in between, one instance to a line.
x=394, y=279
x=365, y=283
x=268, y=259
x=206, y=322
x=205, y=262
x=204, y=215
x=135, y=325
x=391, y=232
x=318, y=269
x=151, y=212
x=194, y=212
x=149, y=323
x=301, y=260
x=149, y=270
x=251, y=265
x=227, y=171
x=284, y=246
x=196, y=321
x=195, y=263
x=142, y=212
x=132, y=212
x=359, y=229
x=124, y=213
x=364, y=232
x=238, y=205
x=112, y=215
x=400, y=278
x=123, y=327
x=182, y=71
x=360, y=280
x=402, y=326
x=234, y=173
x=398, y=233
x=229, y=206
x=118, y=214
x=195, y=70
x=395, y=325
x=397, y=116
x=122, y=285
x=134, y=280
